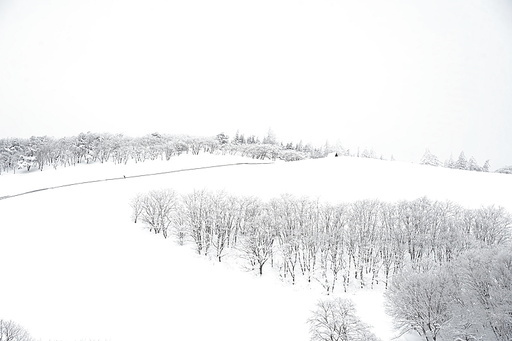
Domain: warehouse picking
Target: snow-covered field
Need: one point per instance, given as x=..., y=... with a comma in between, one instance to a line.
x=74, y=266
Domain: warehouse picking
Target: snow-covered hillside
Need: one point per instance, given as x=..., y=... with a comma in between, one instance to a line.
x=75, y=267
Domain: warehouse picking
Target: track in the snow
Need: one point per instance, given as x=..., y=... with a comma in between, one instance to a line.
x=133, y=176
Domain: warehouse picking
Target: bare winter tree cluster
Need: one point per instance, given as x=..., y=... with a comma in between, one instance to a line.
x=156, y=210
x=213, y=221
x=449, y=269
x=468, y=299
x=364, y=242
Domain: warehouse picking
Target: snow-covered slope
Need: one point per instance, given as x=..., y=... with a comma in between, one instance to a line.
x=74, y=266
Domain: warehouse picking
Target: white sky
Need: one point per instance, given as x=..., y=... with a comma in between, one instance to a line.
x=399, y=75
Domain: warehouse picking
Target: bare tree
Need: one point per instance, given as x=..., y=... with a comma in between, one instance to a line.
x=158, y=208
x=392, y=244
x=259, y=240
x=429, y=159
x=246, y=210
x=137, y=205
x=421, y=302
x=492, y=225
x=364, y=223
x=223, y=219
x=336, y=320
x=179, y=226
x=484, y=295
x=284, y=211
x=333, y=254
x=11, y=331
x=197, y=212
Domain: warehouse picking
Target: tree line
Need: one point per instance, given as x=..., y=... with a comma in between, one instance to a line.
x=365, y=242
x=461, y=163
x=39, y=152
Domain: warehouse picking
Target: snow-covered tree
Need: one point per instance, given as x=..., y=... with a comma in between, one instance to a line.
x=253, y=139
x=369, y=154
x=270, y=138
x=334, y=253
x=261, y=151
x=259, y=240
x=461, y=163
x=284, y=212
x=40, y=150
x=12, y=151
x=491, y=226
x=223, y=219
x=246, y=210
x=137, y=205
x=11, y=331
x=291, y=155
x=486, y=166
x=450, y=163
x=416, y=224
x=222, y=138
x=158, y=209
x=429, y=159
x=364, y=233
x=307, y=214
x=473, y=165
x=484, y=295
x=197, y=209
x=26, y=161
x=421, y=301
x=505, y=170
x=392, y=247
x=336, y=320
x=238, y=138
x=180, y=228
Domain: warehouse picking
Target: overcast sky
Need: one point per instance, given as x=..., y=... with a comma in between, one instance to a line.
x=398, y=76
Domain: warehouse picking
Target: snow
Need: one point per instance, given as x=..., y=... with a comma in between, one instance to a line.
x=75, y=267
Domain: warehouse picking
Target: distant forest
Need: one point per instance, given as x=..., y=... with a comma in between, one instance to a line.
x=39, y=152
x=42, y=151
